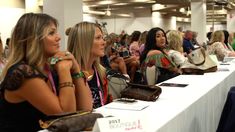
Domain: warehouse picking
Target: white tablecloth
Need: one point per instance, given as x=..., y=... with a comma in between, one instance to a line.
x=195, y=108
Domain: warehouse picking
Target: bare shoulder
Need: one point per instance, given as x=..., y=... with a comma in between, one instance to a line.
x=154, y=52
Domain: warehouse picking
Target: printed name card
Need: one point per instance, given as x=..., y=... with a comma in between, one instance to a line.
x=123, y=124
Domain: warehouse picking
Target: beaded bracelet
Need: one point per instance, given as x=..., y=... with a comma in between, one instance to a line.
x=66, y=84
x=78, y=75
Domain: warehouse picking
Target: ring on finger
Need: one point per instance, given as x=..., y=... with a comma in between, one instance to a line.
x=67, y=53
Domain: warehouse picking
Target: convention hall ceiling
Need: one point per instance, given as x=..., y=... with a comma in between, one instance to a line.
x=216, y=9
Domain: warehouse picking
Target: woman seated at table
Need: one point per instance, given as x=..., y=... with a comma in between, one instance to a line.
x=156, y=54
x=217, y=46
x=86, y=43
x=131, y=61
x=28, y=90
x=115, y=61
x=175, y=44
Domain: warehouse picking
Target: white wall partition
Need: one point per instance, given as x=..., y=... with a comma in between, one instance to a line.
x=9, y=17
x=10, y=12
x=116, y=25
x=68, y=13
x=231, y=21
x=166, y=23
x=198, y=20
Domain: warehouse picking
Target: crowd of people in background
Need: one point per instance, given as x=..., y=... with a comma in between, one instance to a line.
x=48, y=78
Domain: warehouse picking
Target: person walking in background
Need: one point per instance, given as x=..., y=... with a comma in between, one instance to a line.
x=29, y=92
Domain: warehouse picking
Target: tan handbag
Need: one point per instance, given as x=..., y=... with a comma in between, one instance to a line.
x=198, y=62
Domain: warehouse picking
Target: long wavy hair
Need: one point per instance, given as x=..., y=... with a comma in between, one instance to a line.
x=151, y=43
x=80, y=42
x=27, y=40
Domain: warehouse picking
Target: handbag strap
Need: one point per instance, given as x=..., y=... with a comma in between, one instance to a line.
x=204, y=56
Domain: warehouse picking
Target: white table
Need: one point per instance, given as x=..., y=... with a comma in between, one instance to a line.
x=195, y=108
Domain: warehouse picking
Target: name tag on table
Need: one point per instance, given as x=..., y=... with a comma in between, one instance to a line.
x=124, y=124
x=136, y=106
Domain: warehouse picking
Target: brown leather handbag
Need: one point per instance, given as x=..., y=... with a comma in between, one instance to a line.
x=141, y=92
x=70, y=122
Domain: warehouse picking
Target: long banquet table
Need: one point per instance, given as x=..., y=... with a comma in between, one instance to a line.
x=195, y=108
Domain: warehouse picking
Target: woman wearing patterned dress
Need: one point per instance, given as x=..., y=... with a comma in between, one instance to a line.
x=156, y=54
x=217, y=46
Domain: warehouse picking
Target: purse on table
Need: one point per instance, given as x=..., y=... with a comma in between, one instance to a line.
x=70, y=122
x=199, y=62
x=141, y=92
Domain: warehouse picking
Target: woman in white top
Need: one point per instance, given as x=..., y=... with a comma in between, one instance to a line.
x=217, y=46
x=175, y=44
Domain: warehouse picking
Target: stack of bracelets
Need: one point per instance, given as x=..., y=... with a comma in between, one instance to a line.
x=66, y=84
x=76, y=75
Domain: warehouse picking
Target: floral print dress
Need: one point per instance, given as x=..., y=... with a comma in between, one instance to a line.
x=163, y=65
x=219, y=49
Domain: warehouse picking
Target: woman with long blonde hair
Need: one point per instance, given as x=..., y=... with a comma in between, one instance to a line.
x=86, y=43
x=29, y=91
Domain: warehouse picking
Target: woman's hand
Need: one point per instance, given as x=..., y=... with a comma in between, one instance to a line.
x=64, y=61
x=66, y=57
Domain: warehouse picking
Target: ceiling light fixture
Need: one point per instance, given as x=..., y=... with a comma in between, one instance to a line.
x=106, y=2
x=182, y=10
x=108, y=11
x=188, y=12
x=151, y=1
x=120, y=4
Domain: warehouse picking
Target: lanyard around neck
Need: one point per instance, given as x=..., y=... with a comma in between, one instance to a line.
x=50, y=79
x=99, y=86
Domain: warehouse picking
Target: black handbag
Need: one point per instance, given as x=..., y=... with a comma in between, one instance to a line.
x=70, y=122
x=141, y=92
